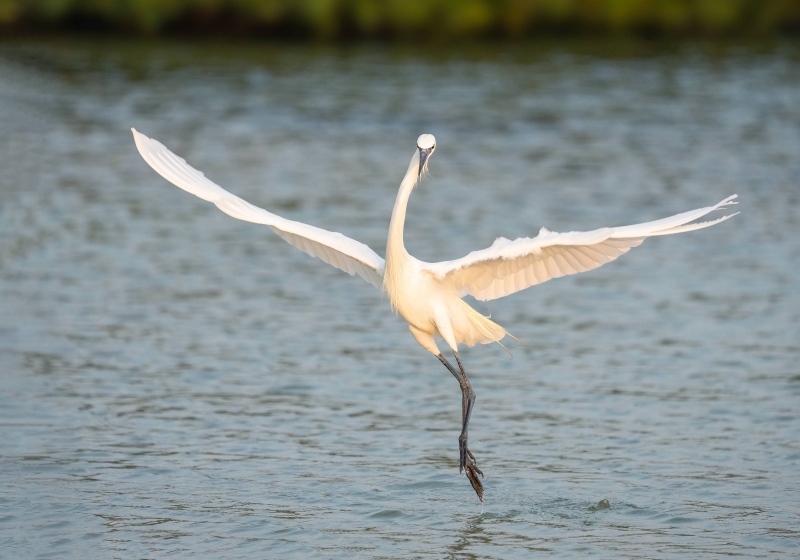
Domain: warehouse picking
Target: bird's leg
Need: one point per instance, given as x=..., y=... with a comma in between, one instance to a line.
x=468, y=401
x=460, y=378
x=464, y=401
x=466, y=458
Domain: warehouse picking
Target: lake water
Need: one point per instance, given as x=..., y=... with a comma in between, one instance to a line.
x=176, y=383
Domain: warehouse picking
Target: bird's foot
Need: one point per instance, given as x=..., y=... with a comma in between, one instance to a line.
x=467, y=463
x=472, y=475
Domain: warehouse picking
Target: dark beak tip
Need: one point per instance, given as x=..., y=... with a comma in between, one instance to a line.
x=423, y=158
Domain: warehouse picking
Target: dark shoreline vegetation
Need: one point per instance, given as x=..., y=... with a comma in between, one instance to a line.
x=403, y=19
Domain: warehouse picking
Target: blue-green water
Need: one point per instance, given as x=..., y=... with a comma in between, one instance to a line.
x=176, y=383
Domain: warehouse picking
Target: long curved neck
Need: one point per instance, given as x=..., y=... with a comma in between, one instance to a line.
x=394, y=246
x=396, y=253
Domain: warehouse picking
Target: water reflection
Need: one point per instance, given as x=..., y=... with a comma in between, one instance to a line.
x=471, y=535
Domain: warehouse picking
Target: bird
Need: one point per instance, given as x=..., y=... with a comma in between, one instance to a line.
x=429, y=296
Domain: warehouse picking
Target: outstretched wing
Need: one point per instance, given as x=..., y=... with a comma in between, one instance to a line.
x=334, y=248
x=510, y=266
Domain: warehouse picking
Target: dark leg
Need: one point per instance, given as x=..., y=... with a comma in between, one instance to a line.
x=466, y=458
x=468, y=401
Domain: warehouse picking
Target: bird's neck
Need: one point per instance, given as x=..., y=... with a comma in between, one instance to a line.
x=396, y=254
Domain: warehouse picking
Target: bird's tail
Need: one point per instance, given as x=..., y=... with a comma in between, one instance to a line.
x=482, y=330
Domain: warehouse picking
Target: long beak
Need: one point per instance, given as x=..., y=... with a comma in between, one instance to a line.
x=423, y=159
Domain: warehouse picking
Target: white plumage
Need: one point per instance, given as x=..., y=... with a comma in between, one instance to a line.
x=334, y=248
x=428, y=295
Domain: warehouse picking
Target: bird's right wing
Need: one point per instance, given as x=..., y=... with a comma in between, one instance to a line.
x=510, y=266
x=334, y=248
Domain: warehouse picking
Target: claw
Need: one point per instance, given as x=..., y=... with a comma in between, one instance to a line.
x=476, y=469
x=467, y=464
x=474, y=480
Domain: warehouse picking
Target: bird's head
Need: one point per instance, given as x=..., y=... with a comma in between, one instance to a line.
x=426, y=144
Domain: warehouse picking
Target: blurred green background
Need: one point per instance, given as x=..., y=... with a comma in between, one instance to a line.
x=403, y=19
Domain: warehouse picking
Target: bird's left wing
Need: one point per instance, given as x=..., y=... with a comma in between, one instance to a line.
x=510, y=266
x=333, y=248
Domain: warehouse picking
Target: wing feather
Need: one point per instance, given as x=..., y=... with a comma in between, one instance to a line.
x=510, y=266
x=333, y=248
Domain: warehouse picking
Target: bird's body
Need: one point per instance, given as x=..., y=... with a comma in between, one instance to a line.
x=429, y=295
x=431, y=310
x=428, y=305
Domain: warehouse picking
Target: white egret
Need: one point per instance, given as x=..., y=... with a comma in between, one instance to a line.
x=428, y=295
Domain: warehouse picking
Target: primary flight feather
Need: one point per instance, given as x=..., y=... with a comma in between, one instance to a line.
x=428, y=295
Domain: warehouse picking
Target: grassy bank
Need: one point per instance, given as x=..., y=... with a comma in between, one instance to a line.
x=392, y=19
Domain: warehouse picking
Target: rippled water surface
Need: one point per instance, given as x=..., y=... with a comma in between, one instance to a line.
x=179, y=383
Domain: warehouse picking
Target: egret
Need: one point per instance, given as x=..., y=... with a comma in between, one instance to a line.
x=429, y=295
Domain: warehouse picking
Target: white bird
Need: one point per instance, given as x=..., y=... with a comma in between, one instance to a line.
x=428, y=295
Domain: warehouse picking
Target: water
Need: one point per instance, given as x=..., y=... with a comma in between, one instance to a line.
x=177, y=383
